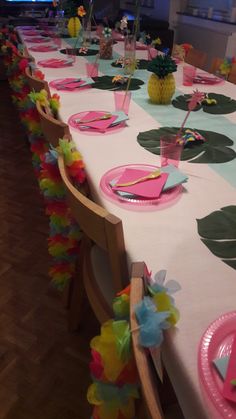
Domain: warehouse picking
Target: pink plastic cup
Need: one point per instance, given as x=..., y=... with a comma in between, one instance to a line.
x=57, y=42
x=122, y=101
x=171, y=149
x=92, y=69
x=152, y=53
x=189, y=72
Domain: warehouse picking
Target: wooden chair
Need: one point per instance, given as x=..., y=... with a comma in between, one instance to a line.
x=153, y=391
x=215, y=65
x=36, y=84
x=232, y=74
x=196, y=58
x=102, y=265
x=52, y=128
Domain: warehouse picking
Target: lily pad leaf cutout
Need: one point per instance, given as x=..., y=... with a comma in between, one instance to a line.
x=223, y=106
x=105, y=83
x=141, y=64
x=216, y=148
x=218, y=233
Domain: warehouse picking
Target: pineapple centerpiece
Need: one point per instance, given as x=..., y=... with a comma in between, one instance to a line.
x=161, y=85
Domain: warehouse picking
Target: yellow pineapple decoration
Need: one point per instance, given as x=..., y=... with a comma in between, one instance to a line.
x=161, y=85
x=74, y=24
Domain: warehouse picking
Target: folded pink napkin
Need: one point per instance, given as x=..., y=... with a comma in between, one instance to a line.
x=37, y=40
x=43, y=48
x=30, y=33
x=100, y=125
x=229, y=390
x=140, y=45
x=152, y=53
x=151, y=188
x=55, y=63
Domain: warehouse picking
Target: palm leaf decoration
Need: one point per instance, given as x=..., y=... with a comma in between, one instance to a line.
x=218, y=233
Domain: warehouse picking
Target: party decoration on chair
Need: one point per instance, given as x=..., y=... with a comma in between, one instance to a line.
x=115, y=380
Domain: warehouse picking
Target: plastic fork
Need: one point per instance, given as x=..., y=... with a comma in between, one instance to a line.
x=151, y=175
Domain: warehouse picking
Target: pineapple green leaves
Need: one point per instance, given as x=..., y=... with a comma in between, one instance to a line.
x=162, y=65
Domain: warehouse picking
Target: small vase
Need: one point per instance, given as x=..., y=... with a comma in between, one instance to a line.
x=129, y=54
x=105, y=48
x=161, y=90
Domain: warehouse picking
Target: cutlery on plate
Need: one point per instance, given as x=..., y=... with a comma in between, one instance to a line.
x=99, y=118
x=151, y=175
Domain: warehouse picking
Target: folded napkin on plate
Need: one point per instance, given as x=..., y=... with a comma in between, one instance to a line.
x=55, y=63
x=151, y=188
x=229, y=389
x=140, y=45
x=43, y=48
x=100, y=125
x=175, y=178
x=66, y=84
x=121, y=117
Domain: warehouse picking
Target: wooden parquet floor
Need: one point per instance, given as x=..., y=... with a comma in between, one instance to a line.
x=43, y=368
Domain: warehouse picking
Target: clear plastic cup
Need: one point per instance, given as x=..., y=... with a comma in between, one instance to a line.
x=122, y=101
x=171, y=147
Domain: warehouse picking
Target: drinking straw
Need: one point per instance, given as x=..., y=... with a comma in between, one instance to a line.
x=195, y=99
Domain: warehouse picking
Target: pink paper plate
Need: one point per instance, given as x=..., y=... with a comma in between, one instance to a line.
x=166, y=199
x=43, y=48
x=55, y=83
x=37, y=40
x=207, y=79
x=216, y=343
x=56, y=63
x=92, y=131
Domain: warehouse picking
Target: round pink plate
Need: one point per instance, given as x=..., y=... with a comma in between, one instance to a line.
x=202, y=78
x=37, y=40
x=216, y=343
x=55, y=84
x=56, y=63
x=43, y=48
x=81, y=115
x=133, y=202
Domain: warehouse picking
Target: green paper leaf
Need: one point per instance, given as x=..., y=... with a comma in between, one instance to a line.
x=218, y=233
x=141, y=64
x=123, y=339
x=181, y=102
x=223, y=106
x=216, y=148
x=75, y=51
x=105, y=83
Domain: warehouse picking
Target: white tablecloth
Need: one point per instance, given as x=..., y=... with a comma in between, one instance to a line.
x=166, y=238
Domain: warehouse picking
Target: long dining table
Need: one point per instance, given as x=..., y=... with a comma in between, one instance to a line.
x=166, y=237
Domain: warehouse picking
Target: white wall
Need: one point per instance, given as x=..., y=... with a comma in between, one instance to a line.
x=160, y=11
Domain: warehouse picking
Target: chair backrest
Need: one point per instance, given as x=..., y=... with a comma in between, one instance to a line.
x=232, y=74
x=106, y=231
x=215, y=65
x=146, y=371
x=52, y=128
x=196, y=58
x=36, y=84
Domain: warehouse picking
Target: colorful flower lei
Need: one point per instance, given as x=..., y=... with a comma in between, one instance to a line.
x=115, y=380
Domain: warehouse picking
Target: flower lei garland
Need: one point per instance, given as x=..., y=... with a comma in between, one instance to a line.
x=115, y=380
x=226, y=66
x=65, y=234
x=16, y=64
